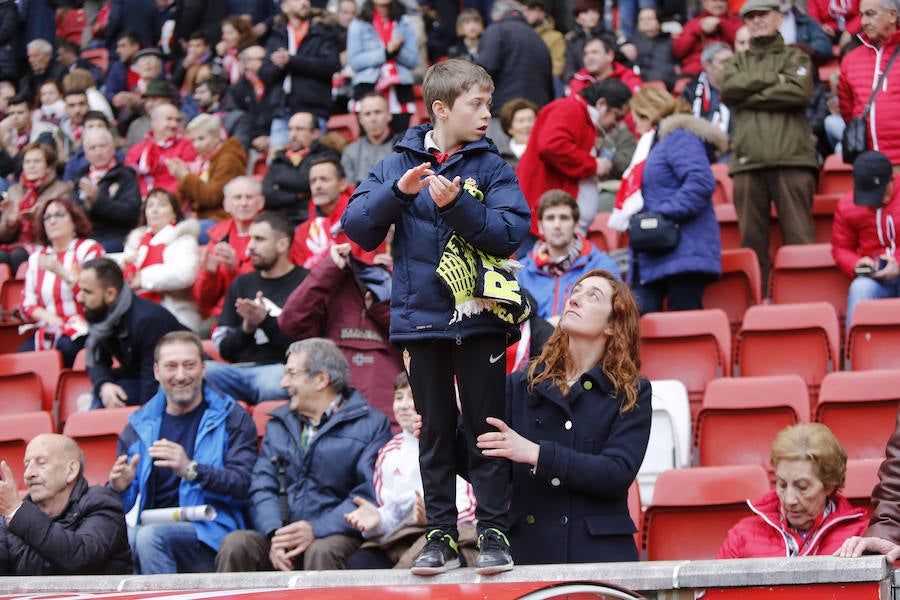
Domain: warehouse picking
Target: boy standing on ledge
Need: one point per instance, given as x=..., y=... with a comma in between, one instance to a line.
x=458, y=214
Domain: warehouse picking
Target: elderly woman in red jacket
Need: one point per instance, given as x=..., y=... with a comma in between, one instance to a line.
x=804, y=515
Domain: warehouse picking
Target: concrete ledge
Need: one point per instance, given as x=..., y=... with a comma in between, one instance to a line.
x=643, y=576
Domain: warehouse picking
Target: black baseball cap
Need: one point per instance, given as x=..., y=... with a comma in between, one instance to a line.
x=872, y=172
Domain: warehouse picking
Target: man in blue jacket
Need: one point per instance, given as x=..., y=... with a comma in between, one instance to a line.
x=318, y=456
x=561, y=258
x=187, y=446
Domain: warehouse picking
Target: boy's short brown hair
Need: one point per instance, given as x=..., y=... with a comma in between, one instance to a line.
x=448, y=80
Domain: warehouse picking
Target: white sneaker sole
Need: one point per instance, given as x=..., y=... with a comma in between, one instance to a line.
x=494, y=569
x=429, y=571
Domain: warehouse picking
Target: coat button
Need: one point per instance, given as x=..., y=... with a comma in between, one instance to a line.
x=529, y=519
x=567, y=425
x=587, y=385
x=563, y=520
x=555, y=482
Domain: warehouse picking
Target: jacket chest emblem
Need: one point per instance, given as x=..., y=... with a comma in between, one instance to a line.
x=471, y=186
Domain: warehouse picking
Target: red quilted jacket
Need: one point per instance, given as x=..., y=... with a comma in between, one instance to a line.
x=761, y=535
x=862, y=231
x=858, y=75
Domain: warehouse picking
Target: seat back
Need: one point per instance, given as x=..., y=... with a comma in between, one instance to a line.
x=16, y=430
x=11, y=338
x=823, y=209
x=862, y=477
x=729, y=233
x=692, y=346
x=724, y=193
x=604, y=237
x=209, y=347
x=260, y=414
x=669, y=446
x=11, y=296
x=347, y=125
x=71, y=385
x=785, y=339
x=739, y=288
x=97, y=433
x=808, y=273
x=20, y=392
x=873, y=337
x=99, y=57
x=836, y=176
x=741, y=415
x=860, y=408
x=693, y=509
x=47, y=364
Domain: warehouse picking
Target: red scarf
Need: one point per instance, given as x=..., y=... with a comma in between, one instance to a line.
x=27, y=203
x=149, y=161
x=295, y=156
x=148, y=254
x=231, y=65
x=259, y=88
x=95, y=175
x=389, y=77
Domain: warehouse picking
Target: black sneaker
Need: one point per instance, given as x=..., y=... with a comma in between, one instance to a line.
x=493, y=553
x=439, y=555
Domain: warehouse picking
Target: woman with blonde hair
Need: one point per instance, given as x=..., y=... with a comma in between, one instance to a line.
x=675, y=185
x=805, y=515
x=579, y=422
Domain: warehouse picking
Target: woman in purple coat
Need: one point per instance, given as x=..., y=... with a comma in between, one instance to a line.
x=677, y=182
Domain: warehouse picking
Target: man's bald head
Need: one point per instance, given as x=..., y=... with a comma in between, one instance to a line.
x=53, y=463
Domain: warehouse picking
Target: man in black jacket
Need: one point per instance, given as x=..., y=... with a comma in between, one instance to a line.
x=302, y=53
x=124, y=326
x=63, y=527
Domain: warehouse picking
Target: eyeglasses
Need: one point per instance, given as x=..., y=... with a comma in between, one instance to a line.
x=56, y=215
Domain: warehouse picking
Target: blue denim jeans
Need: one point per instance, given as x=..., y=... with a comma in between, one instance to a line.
x=250, y=383
x=169, y=548
x=866, y=288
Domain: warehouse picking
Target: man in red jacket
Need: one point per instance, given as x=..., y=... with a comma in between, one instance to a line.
x=714, y=24
x=863, y=236
x=225, y=256
x=561, y=151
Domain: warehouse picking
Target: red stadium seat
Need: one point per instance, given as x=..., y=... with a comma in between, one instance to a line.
x=729, y=231
x=873, y=338
x=261, y=412
x=16, y=430
x=347, y=125
x=71, y=385
x=11, y=338
x=741, y=415
x=209, y=347
x=739, y=288
x=636, y=511
x=693, y=509
x=97, y=433
x=862, y=477
x=11, y=295
x=808, y=273
x=47, y=364
x=823, y=216
x=860, y=408
x=604, y=237
x=99, y=57
x=71, y=23
x=785, y=339
x=836, y=176
x=724, y=193
x=20, y=392
x=692, y=346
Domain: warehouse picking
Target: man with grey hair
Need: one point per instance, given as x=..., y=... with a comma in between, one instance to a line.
x=63, y=526
x=107, y=191
x=316, y=465
x=860, y=70
x=41, y=67
x=517, y=59
x=702, y=93
x=225, y=256
x=163, y=142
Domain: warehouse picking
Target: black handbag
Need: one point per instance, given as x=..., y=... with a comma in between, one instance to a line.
x=854, y=141
x=653, y=232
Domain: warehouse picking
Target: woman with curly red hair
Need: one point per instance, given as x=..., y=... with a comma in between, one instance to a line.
x=578, y=426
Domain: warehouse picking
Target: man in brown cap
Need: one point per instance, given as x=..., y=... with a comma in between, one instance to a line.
x=773, y=153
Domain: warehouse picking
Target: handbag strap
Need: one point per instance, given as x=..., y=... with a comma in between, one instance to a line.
x=884, y=73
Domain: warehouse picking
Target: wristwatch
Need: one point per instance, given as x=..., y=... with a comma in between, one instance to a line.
x=190, y=474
